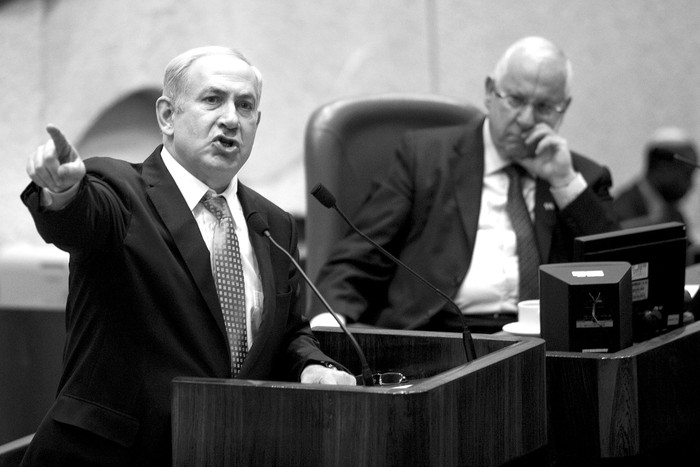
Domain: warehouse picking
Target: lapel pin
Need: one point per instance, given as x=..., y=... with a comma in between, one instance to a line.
x=548, y=206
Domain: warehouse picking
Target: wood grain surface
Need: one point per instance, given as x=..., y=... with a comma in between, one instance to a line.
x=486, y=412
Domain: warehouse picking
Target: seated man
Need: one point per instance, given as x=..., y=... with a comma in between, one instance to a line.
x=445, y=209
x=655, y=197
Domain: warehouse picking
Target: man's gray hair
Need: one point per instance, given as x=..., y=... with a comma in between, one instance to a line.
x=176, y=79
x=538, y=49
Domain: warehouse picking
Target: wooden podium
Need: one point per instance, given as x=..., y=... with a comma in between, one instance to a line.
x=642, y=402
x=486, y=412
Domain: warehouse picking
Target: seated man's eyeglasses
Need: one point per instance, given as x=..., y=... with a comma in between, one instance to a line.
x=543, y=110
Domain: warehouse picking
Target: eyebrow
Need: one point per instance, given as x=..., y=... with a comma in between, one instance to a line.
x=220, y=90
x=213, y=89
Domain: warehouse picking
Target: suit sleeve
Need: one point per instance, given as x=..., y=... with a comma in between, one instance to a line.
x=592, y=211
x=300, y=346
x=90, y=221
x=356, y=276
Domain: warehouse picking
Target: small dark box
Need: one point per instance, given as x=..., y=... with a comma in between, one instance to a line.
x=586, y=307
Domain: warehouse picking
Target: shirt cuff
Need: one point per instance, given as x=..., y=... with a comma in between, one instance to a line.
x=564, y=195
x=54, y=201
x=326, y=319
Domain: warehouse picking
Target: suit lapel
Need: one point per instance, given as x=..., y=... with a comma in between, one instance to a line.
x=177, y=218
x=545, y=218
x=261, y=247
x=467, y=169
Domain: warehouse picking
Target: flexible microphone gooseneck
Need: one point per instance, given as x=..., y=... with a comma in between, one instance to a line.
x=683, y=160
x=674, y=156
x=258, y=224
x=326, y=198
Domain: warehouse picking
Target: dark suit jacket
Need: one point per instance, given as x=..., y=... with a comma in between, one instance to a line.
x=425, y=211
x=630, y=203
x=143, y=309
x=632, y=208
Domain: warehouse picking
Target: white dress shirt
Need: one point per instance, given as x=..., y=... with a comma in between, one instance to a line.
x=491, y=285
x=193, y=190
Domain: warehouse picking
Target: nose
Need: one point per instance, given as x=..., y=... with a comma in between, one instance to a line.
x=229, y=116
x=526, y=116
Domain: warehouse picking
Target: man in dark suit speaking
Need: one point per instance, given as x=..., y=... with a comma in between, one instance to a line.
x=147, y=300
x=474, y=208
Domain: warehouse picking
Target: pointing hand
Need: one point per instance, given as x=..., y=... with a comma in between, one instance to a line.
x=55, y=165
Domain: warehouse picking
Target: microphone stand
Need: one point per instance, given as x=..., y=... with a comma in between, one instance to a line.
x=679, y=158
x=322, y=194
x=260, y=227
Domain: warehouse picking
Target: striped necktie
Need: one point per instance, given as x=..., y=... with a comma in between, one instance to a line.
x=228, y=275
x=528, y=252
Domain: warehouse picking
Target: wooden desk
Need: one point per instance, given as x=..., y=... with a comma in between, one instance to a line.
x=484, y=413
x=639, y=403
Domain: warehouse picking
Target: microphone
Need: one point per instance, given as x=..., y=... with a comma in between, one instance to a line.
x=669, y=155
x=258, y=224
x=326, y=198
x=685, y=161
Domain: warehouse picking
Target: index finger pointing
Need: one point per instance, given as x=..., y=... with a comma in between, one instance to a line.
x=63, y=148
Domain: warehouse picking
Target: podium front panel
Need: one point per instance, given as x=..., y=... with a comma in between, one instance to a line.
x=485, y=412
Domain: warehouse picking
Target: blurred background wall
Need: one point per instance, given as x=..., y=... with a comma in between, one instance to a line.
x=94, y=68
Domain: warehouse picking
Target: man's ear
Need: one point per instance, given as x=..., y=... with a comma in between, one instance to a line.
x=164, y=113
x=259, y=115
x=488, y=87
x=568, y=103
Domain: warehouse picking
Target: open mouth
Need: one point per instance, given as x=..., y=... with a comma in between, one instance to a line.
x=225, y=142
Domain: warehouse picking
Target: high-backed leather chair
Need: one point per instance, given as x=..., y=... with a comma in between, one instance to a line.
x=348, y=143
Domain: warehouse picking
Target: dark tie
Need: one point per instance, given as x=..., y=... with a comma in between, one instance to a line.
x=228, y=275
x=528, y=253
